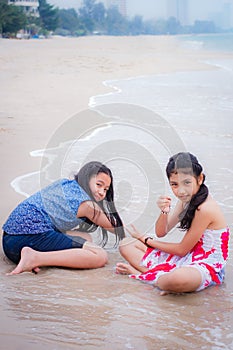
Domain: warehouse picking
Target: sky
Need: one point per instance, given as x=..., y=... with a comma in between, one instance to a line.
x=198, y=9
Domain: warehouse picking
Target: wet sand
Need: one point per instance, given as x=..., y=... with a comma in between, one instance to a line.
x=43, y=84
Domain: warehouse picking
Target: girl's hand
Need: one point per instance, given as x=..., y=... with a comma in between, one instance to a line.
x=164, y=203
x=134, y=233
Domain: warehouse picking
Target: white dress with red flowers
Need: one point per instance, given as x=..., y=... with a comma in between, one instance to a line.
x=209, y=256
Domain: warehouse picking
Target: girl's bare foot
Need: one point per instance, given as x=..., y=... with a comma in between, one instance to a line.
x=126, y=269
x=164, y=292
x=28, y=262
x=36, y=270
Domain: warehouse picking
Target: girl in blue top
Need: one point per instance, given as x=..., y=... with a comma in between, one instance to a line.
x=37, y=233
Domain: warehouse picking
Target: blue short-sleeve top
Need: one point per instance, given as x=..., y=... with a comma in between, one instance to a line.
x=53, y=208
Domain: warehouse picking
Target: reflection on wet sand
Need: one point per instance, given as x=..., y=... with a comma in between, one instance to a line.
x=63, y=309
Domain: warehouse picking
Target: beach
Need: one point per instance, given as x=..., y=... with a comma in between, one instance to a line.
x=45, y=82
x=44, y=85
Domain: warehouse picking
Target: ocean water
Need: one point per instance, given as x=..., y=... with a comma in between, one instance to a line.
x=220, y=42
x=156, y=115
x=134, y=129
x=196, y=106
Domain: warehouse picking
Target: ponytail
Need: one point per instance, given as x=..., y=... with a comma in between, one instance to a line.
x=187, y=162
x=187, y=215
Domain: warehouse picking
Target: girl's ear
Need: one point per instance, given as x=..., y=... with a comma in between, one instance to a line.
x=200, y=179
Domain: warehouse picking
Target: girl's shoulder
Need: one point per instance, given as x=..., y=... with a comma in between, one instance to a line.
x=209, y=204
x=210, y=208
x=73, y=187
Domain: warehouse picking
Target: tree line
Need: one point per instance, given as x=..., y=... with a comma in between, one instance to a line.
x=13, y=19
x=91, y=18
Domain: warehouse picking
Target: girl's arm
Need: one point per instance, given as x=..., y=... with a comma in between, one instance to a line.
x=94, y=213
x=201, y=222
x=166, y=220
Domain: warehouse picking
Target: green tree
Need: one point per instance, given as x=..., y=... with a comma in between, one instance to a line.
x=136, y=26
x=12, y=18
x=48, y=16
x=4, y=9
x=68, y=20
x=149, y=26
x=99, y=13
x=86, y=13
x=116, y=24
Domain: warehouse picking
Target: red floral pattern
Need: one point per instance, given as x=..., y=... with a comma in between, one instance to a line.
x=209, y=256
x=224, y=245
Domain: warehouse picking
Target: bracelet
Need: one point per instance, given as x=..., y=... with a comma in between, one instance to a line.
x=164, y=212
x=146, y=239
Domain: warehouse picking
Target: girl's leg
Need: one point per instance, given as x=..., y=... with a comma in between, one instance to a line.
x=88, y=257
x=133, y=251
x=181, y=280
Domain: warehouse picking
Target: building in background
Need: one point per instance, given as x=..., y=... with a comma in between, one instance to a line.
x=178, y=9
x=120, y=4
x=227, y=21
x=30, y=7
x=186, y=11
x=223, y=16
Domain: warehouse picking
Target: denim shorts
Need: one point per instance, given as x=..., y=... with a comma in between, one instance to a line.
x=43, y=242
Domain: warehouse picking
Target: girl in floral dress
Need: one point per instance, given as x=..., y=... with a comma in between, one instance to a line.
x=198, y=260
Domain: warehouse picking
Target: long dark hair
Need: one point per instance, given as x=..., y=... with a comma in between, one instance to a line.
x=107, y=205
x=187, y=163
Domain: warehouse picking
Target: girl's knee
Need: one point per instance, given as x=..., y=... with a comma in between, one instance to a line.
x=102, y=257
x=98, y=257
x=180, y=280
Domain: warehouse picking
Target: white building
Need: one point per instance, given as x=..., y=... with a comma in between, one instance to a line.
x=178, y=9
x=29, y=6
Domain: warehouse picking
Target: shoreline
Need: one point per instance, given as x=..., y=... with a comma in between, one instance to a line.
x=114, y=90
x=47, y=81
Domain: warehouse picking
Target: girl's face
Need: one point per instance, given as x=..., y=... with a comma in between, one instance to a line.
x=185, y=186
x=99, y=185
